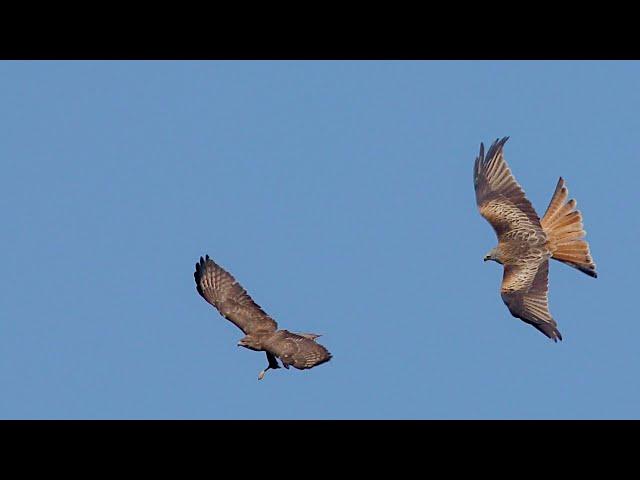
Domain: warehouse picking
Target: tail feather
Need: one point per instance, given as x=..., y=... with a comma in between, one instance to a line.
x=568, y=233
x=570, y=221
x=310, y=336
x=562, y=223
x=557, y=201
x=563, y=210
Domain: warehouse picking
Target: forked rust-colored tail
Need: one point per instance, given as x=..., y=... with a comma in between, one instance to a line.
x=562, y=223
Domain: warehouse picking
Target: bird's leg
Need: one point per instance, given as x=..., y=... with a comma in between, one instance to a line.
x=273, y=364
x=269, y=367
x=261, y=374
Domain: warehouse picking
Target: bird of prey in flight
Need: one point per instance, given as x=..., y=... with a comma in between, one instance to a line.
x=526, y=242
x=220, y=289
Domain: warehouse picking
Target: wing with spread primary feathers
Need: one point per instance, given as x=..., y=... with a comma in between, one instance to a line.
x=220, y=289
x=500, y=198
x=524, y=291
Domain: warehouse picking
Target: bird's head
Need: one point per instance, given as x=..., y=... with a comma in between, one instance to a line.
x=251, y=342
x=494, y=255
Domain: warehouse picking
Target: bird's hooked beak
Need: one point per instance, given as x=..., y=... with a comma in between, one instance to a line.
x=487, y=257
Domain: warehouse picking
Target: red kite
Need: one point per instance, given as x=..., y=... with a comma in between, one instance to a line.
x=525, y=243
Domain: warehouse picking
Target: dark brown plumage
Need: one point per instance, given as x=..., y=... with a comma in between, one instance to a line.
x=525, y=243
x=220, y=289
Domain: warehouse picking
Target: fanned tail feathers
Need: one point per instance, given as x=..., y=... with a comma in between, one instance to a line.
x=562, y=223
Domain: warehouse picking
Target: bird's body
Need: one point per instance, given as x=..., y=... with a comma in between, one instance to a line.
x=296, y=350
x=526, y=242
x=220, y=289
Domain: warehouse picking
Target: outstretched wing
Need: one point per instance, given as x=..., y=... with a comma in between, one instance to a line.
x=298, y=351
x=500, y=198
x=524, y=291
x=220, y=289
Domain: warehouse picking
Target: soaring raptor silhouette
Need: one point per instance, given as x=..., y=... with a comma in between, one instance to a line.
x=525, y=243
x=220, y=289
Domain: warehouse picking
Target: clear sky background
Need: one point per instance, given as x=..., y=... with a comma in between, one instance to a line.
x=340, y=195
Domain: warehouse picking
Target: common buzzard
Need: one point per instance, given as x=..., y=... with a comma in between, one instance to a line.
x=525, y=242
x=220, y=289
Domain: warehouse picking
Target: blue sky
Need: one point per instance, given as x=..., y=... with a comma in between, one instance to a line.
x=340, y=195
